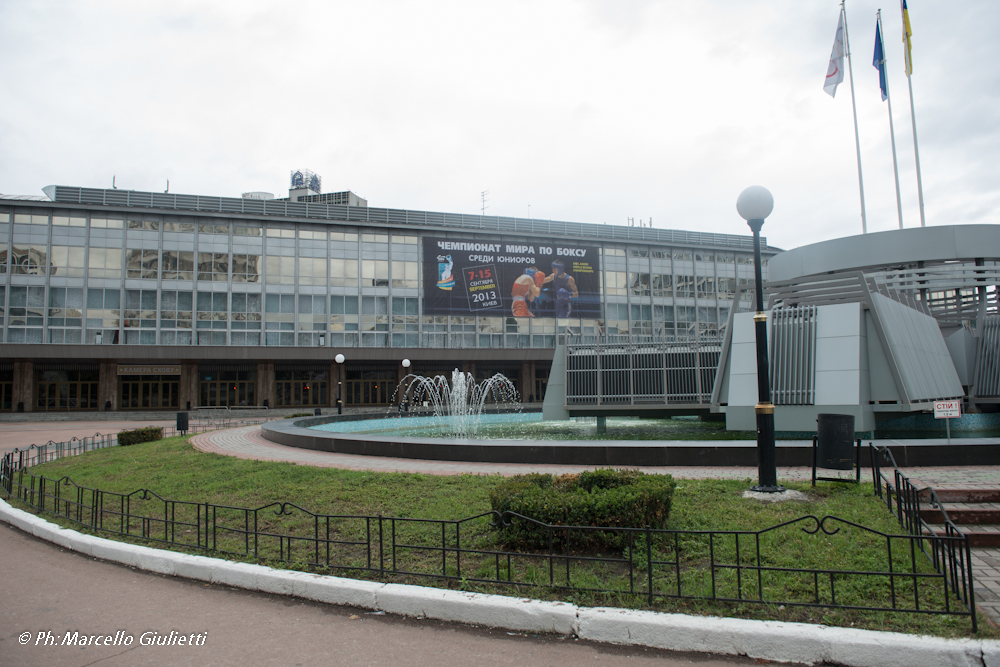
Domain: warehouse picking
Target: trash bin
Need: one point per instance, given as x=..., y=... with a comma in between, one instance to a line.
x=317, y=412
x=182, y=422
x=835, y=442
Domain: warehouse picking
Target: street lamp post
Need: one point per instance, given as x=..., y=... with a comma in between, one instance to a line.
x=340, y=390
x=404, y=403
x=754, y=204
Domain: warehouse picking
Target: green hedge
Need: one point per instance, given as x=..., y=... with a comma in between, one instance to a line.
x=144, y=434
x=604, y=497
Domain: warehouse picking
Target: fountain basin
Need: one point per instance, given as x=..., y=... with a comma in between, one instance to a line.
x=612, y=453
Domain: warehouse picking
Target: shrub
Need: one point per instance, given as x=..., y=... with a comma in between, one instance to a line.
x=299, y=414
x=144, y=434
x=604, y=498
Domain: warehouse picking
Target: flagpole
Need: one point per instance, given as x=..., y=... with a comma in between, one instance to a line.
x=892, y=132
x=916, y=153
x=913, y=113
x=854, y=108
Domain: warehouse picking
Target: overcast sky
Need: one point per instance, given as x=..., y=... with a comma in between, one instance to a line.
x=586, y=111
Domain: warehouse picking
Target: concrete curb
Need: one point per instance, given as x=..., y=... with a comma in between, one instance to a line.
x=768, y=640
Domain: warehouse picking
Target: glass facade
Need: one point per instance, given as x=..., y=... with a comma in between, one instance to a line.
x=72, y=275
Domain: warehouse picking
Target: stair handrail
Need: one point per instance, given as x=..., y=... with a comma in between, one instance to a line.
x=955, y=562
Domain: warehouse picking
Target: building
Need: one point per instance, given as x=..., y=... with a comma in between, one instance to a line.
x=879, y=326
x=120, y=300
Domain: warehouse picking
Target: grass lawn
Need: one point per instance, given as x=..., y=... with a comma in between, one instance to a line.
x=174, y=470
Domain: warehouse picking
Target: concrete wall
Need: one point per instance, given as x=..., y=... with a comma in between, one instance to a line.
x=842, y=383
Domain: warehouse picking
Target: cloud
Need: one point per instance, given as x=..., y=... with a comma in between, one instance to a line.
x=589, y=111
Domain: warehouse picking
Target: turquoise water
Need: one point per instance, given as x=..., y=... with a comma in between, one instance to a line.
x=529, y=426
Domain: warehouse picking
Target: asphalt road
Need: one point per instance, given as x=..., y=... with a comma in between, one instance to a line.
x=49, y=592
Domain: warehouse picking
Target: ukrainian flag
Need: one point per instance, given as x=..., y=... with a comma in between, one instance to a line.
x=907, y=33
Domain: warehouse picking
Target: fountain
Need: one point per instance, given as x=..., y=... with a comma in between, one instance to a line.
x=458, y=405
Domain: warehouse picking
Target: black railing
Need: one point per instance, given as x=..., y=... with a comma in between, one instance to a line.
x=51, y=450
x=950, y=556
x=786, y=564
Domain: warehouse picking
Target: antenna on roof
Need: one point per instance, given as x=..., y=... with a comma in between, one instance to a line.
x=483, y=195
x=168, y=187
x=113, y=186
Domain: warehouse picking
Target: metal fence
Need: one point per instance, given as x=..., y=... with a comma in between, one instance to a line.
x=947, y=547
x=620, y=371
x=911, y=573
x=51, y=450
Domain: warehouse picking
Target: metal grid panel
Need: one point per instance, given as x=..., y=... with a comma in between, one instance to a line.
x=793, y=355
x=623, y=370
x=988, y=372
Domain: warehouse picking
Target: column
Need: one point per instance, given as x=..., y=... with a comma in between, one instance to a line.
x=265, y=387
x=107, y=386
x=188, y=390
x=24, y=385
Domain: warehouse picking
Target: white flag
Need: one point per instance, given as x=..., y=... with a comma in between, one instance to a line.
x=835, y=72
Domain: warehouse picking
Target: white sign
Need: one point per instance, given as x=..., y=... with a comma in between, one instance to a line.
x=947, y=409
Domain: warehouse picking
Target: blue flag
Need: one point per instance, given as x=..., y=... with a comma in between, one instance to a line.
x=879, y=62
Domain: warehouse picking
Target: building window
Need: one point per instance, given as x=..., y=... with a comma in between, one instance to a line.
x=312, y=271
x=67, y=260
x=184, y=227
x=142, y=263
x=65, y=315
x=66, y=390
x=312, y=319
x=144, y=223
x=343, y=313
x=27, y=313
x=212, y=309
x=105, y=223
x=136, y=392
x=639, y=283
x=369, y=387
x=176, y=312
x=105, y=263
x=306, y=387
x=405, y=274
x=28, y=259
x=344, y=272
x=178, y=265
x=245, y=268
x=279, y=319
x=140, y=317
x=279, y=270
x=68, y=221
x=213, y=266
x=615, y=283
x=227, y=388
x=375, y=272
x=663, y=285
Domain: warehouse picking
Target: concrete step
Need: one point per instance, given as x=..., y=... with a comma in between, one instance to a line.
x=967, y=495
x=979, y=536
x=963, y=514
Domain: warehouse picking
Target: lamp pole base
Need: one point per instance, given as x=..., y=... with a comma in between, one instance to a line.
x=760, y=488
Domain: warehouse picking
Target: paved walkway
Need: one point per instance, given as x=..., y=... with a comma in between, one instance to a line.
x=49, y=592
x=24, y=434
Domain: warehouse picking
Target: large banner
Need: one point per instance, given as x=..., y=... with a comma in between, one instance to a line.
x=510, y=279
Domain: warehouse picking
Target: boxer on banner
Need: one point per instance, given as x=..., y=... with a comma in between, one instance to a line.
x=564, y=287
x=525, y=289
